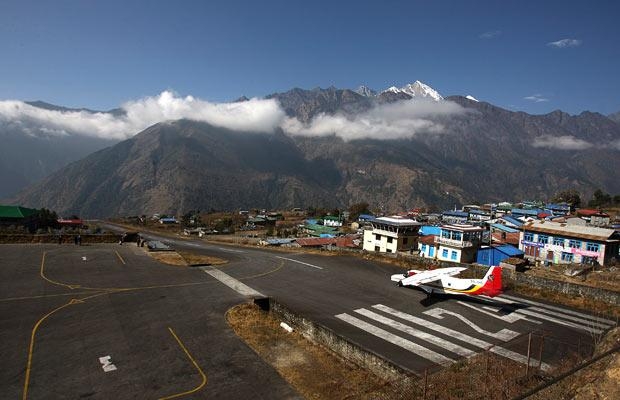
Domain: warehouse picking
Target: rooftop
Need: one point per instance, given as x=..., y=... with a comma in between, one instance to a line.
x=585, y=232
x=463, y=228
x=16, y=212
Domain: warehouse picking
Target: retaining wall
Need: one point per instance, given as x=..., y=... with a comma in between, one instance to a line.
x=345, y=348
x=49, y=238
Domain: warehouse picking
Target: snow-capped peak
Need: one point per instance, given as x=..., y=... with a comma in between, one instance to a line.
x=365, y=91
x=416, y=89
x=472, y=98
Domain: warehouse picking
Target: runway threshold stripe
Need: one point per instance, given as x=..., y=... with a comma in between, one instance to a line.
x=233, y=283
x=461, y=336
x=395, y=339
x=437, y=341
x=299, y=262
x=610, y=323
x=584, y=327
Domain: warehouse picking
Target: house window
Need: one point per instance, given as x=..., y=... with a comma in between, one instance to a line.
x=592, y=247
x=377, y=248
x=405, y=240
x=444, y=253
x=575, y=244
x=558, y=241
x=389, y=240
x=423, y=248
x=453, y=255
x=528, y=237
x=377, y=237
x=567, y=257
x=543, y=239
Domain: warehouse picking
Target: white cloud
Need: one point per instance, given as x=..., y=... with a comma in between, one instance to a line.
x=536, y=98
x=489, y=34
x=388, y=121
x=254, y=115
x=403, y=119
x=561, y=142
x=565, y=43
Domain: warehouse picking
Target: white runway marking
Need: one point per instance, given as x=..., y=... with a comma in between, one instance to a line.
x=230, y=250
x=107, y=364
x=299, y=262
x=563, y=311
x=463, y=337
x=461, y=351
x=232, y=283
x=492, y=311
x=397, y=340
x=504, y=334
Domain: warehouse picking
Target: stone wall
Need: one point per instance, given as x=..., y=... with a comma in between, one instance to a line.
x=18, y=238
x=345, y=348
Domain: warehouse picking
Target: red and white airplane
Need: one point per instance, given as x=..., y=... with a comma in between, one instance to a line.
x=441, y=281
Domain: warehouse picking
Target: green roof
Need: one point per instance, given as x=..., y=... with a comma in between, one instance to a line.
x=16, y=212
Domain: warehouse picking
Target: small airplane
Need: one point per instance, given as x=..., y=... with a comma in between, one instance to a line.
x=441, y=281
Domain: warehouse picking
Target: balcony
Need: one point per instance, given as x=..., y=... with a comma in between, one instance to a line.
x=453, y=243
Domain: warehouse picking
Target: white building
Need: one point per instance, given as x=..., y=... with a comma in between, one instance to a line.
x=459, y=242
x=391, y=235
x=558, y=243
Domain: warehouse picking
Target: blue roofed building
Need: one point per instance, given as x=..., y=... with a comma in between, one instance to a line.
x=512, y=221
x=454, y=217
x=494, y=255
x=522, y=212
x=557, y=210
x=430, y=230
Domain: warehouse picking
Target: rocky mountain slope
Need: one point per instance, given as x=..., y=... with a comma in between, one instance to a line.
x=483, y=153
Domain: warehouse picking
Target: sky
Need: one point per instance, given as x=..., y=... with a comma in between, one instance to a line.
x=523, y=55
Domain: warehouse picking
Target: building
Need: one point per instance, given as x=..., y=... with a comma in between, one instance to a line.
x=427, y=246
x=75, y=223
x=332, y=221
x=18, y=216
x=479, y=215
x=454, y=217
x=391, y=235
x=496, y=254
x=458, y=242
x=558, y=209
x=557, y=243
x=594, y=217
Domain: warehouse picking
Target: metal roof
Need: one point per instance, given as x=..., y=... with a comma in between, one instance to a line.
x=577, y=231
x=504, y=228
x=16, y=212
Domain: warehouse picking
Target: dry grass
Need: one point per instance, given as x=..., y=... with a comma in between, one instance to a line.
x=597, y=381
x=183, y=259
x=168, y=257
x=312, y=370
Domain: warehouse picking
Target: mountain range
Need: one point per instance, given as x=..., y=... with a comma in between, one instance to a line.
x=480, y=153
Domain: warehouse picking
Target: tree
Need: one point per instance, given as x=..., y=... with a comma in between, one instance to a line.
x=569, y=196
x=357, y=209
x=599, y=199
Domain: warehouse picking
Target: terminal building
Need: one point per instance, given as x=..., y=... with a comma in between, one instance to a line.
x=391, y=235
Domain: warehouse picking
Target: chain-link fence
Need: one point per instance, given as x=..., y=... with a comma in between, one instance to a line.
x=502, y=371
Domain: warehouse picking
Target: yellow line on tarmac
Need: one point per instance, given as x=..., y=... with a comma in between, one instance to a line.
x=53, y=282
x=279, y=267
x=120, y=258
x=43, y=296
x=202, y=374
x=34, y=332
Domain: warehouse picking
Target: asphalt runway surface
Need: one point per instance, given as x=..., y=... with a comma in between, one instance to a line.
x=107, y=321
x=165, y=331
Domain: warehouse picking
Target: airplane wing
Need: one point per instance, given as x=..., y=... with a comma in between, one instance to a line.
x=431, y=276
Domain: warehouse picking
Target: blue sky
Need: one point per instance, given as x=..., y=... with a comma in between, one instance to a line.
x=99, y=54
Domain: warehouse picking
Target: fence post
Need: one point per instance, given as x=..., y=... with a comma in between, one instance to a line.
x=529, y=349
x=540, y=352
x=425, y=382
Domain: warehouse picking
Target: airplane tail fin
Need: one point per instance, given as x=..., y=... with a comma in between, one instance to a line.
x=492, y=282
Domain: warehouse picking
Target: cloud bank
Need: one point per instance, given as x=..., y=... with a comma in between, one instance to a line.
x=253, y=115
x=489, y=34
x=388, y=121
x=561, y=142
x=398, y=120
x=565, y=43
